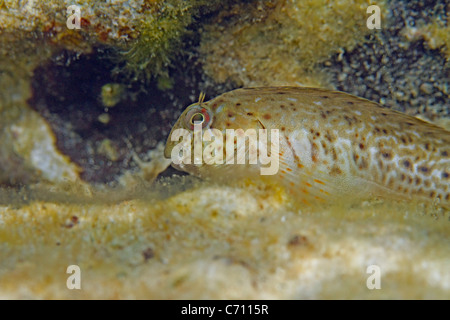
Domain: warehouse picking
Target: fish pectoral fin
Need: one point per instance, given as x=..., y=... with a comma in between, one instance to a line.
x=308, y=187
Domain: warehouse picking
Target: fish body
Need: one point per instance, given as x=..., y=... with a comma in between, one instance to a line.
x=331, y=144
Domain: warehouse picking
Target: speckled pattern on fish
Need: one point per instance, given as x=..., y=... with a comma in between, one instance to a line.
x=333, y=145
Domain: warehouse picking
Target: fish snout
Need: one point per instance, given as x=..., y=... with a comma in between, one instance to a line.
x=168, y=149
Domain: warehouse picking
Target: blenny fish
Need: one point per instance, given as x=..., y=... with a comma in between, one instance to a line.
x=331, y=144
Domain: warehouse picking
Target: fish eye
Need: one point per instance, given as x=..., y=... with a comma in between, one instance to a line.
x=197, y=117
x=197, y=114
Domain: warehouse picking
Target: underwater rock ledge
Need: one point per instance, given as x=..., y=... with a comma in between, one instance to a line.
x=81, y=122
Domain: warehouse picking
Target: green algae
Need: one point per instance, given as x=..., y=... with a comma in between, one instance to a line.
x=161, y=34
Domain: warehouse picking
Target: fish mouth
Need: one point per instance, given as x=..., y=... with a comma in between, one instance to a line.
x=177, y=166
x=188, y=168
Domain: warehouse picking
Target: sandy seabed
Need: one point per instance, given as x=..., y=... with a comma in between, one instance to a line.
x=222, y=242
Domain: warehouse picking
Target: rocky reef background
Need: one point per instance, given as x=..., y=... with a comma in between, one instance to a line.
x=84, y=114
x=113, y=88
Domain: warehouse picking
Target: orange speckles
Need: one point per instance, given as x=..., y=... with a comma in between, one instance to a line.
x=289, y=169
x=323, y=191
x=314, y=152
x=305, y=202
x=267, y=116
x=318, y=181
x=300, y=165
x=292, y=184
x=335, y=170
x=305, y=191
x=308, y=184
x=85, y=22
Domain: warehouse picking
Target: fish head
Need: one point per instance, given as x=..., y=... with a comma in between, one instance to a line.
x=202, y=123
